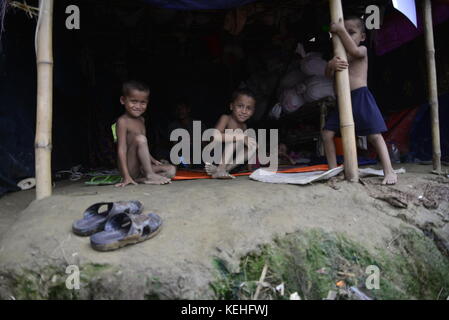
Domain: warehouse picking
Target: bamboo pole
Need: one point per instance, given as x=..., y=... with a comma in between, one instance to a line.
x=44, y=60
x=432, y=84
x=347, y=128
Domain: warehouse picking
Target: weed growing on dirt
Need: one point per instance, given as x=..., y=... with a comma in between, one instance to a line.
x=313, y=263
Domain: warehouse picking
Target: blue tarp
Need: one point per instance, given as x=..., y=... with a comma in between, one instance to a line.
x=198, y=4
x=17, y=110
x=421, y=133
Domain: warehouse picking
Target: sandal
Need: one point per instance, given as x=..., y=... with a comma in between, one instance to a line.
x=124, y=229
x=95, y=221
x=27, y=184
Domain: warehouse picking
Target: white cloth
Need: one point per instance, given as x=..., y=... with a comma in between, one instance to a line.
x=291, y=100
x=303, y=178
x=318, y=87
x=313, y=64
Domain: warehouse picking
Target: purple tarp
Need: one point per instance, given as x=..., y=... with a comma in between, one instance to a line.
x=198, y=4
x=398, y=30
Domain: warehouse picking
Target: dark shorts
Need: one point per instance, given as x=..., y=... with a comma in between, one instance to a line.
x=367, y=117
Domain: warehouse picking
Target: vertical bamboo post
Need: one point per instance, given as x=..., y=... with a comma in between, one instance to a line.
x=44, y=60
x=344, y=102
x=432, y=84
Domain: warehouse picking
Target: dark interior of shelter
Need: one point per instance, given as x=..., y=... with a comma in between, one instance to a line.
x=198, y=58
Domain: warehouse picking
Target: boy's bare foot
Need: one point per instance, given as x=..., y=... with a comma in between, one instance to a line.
x=155, y=179
x=213, y=171
x=223, y=175
x=210, y=169
x=390, y=178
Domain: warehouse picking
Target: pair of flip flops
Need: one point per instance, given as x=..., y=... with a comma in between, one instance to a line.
x=121, y=224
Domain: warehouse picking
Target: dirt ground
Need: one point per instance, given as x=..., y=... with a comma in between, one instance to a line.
x=206, y=219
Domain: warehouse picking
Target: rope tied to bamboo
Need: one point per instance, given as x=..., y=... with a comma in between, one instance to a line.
x=47, y=145
x=44, y=62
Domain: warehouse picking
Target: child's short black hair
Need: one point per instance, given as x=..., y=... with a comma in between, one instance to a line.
x=360, y=21
x=243, y=92
x=134, y=85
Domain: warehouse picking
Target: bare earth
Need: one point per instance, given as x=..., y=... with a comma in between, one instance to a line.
x=208, y=218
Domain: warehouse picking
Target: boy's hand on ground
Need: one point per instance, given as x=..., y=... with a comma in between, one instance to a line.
x=125, y=182
x=338, y=64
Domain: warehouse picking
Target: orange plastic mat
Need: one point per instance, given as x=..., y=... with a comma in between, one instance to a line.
x=194, y=175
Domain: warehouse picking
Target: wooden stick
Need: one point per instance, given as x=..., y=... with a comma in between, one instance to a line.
x=432, y=83
x=262, y=278
x=44, y=60
x=347, y=127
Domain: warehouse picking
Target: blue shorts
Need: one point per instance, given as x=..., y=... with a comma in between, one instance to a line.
x=367, y=117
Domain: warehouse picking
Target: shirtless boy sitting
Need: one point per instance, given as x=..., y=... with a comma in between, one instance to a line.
x=367, y=117
x=242, y=109
x=134, y=159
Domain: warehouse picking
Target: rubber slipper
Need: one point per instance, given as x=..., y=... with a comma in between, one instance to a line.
x=27, y=184
x=104, y=180
x=124, y=229
x=94, y=221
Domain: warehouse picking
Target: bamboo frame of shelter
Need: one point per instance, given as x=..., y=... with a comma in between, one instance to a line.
x=432, y=84
x=347, y=127
x=44, y=61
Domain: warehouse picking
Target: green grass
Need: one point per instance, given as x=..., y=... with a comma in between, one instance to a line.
x=412, y=269
x=50, y=282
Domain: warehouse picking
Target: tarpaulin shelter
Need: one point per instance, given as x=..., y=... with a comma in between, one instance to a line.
x=44, y=142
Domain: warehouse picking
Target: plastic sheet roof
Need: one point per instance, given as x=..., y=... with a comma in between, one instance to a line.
x=198, y=4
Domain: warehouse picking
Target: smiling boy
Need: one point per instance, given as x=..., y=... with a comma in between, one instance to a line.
x=135, y=162
x=242, y=108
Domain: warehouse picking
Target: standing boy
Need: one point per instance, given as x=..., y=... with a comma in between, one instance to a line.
x=134, y=159
x=367, y=117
